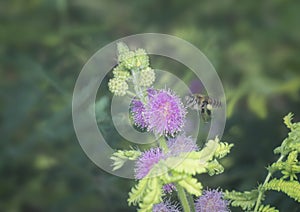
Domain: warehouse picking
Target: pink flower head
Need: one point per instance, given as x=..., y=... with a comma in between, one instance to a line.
x=165, y=206
x=164, y=113
x=146, y=161
x=211, y=200
x=169, y=188
x=137, y=112
x=181, y=144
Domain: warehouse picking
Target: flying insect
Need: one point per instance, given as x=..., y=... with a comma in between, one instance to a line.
x=202, y=103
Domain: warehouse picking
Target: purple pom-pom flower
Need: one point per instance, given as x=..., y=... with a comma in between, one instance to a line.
x=165, y=206
x=137, y=111
x=181, y=144
x=211, y=200
x=146, y=161
x=164, y=113
x=169, y=188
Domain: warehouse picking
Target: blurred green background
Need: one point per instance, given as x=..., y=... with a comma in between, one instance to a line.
x=254, y=46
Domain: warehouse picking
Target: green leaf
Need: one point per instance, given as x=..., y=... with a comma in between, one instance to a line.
x=120, y=157
x=246, y=200
x=267, y=208
x=186, y=165
x=291, y=188
x=138, y=192
x=288, y=120
x=223, y=149
x=214, y=167
x=191, y=185
x=122, y=48
x=292, y=142
x=288, y=168
x=209, y=150
x=153, y=195
x=172, y=178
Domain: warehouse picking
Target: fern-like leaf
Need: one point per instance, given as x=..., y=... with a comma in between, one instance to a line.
x=214, y=167
x=267, y=208
x=288, y=120
x=153, y=195
x=288, y=168
x=291, y=188
x=208, y=152
x=223, y=149
x=138, y=191
x=246, y=200
x=191, y=185
x=120, y=157
x=292, y=142
x=172, y=178
x=185, y=165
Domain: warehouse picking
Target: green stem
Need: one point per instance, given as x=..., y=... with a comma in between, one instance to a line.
x=131, y=94
x=137, y=89
x=191, y=202
x=261, y=191
x=163, y=144
x=183, y=199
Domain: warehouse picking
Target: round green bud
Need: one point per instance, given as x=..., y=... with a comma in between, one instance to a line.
x=142, y=59
x=147, y=77
x=122, y=48
x=128, y=60
x=121, y=73
x=118, y=86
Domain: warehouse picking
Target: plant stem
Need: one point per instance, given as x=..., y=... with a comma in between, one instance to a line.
x=137, y=88
x=191, y=202
x=163, y=144
x=183, y=199
x=261, y=191
x=131, y=94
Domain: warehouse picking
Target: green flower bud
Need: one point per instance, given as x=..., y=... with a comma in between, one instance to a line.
x=147, y=77
x=142, y=59
x=118, y=86
x=128, y=60
x=121, y=73
x=134, y=59
x=122, y=48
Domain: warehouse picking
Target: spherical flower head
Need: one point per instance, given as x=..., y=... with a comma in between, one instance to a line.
x=147, y=77
x=117, y=86
x=121, y=73
x=165, y=113
x=123, y=52
x=142, y=59
x=165, y=206
x=128, y=60
x=137, y=59
x=181, y=144
x=146, y=161
x=137, y=112
x=169, y=188
x=211, y=200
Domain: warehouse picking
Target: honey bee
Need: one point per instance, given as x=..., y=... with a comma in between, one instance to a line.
x=204, y=104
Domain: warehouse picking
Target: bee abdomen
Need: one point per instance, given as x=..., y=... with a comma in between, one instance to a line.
x=215, y=103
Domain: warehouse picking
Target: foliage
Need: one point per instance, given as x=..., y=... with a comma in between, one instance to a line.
x=246, y=200
x=291, y=188
x=287, y=164
x=44, y=44
x=166, y=166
